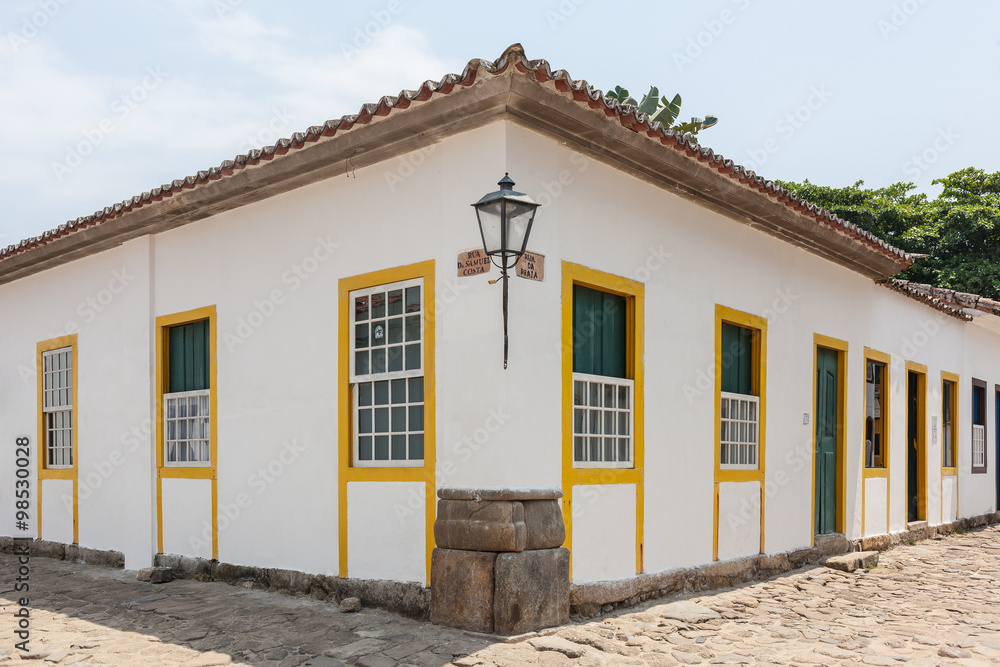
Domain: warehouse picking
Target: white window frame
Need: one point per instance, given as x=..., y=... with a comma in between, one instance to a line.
x=604, y=410
x=52, y=405
x=355, y=379
x=978, y=446
x=752, y=441
x=206, y=393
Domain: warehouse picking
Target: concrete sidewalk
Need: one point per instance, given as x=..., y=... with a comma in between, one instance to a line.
x=933, y=603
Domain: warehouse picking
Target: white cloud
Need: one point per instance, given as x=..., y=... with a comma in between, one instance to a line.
x=234, y=84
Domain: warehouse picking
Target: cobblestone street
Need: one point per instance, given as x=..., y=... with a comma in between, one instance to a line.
x=933, y=603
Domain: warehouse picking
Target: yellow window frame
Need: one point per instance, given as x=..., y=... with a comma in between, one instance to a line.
x=758, y=385
x=634, y=293
x=163, y=325
x=346, y=471
x=44, y=472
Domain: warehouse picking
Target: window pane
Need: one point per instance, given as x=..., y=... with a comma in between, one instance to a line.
x=361, y=308
x=595, y=394
x=609, y=396
x=381, y=420
x=417, y=447
x=579, y=393
x=623, y=449
x=381, y=448
x=378, y=360
x=579, y=449
x=579, y=421
x=382, y=392
x=412, y=328
x=623, y=423
x=416, y=390
x=609, y=423
x=365, y=393
x=360, y=335
x=609, y=449
x=412, y=299
x=416, y=418
x=364, y=421
x=413, y=357
x=398, y=391
x=395, y=330
x=398, y=418
x=395, y=355
x=396, y=302
x=595, y=449
x=595, y=421
x=378, y=332
x=623, y=398
x=361, y=366
x=378, y=305
x=365, y=448
x=399, y=448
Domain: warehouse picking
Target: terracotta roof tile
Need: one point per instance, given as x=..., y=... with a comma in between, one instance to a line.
x=946, y=300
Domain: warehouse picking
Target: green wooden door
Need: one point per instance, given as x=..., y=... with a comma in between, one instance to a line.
x=826, y=440
x=912, y=454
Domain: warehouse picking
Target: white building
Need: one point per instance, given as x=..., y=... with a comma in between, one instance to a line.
x=185, y=367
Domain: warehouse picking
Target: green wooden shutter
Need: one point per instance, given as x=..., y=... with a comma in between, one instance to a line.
x=600, y=326
x=737, y=359
x=189, y=357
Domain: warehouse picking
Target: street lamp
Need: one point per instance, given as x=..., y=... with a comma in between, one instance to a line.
x=505, y=219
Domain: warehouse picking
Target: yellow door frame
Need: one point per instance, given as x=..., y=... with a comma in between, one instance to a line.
x=841, y=348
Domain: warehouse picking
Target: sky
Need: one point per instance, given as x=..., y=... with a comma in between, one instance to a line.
x=104, y=99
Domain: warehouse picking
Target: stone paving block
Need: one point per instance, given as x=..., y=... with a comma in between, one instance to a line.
x=480, y=525
x=531, y=591
x=462, y=589
x=684, y=611
x=853, y=561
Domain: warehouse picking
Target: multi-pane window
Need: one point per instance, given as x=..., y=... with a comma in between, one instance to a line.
x=978, y=426
x=387, y=374
x=948, y=424
x=187, y=403
x=739, y=401
x=874, y=414
x=603, y=394
x=57, y=406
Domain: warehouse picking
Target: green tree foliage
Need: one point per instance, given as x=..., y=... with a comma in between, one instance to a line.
x=959, y=230
x=662, y=109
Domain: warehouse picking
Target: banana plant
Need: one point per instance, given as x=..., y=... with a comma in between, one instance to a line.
x=661, y=109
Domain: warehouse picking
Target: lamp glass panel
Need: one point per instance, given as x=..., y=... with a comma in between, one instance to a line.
x=489, y=224
x=519, y=218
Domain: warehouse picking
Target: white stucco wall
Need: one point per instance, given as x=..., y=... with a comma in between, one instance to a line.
x=187, y=517
x=57, y=510
x=272, y=270
x=739, y=519
x=396, y=550
x=603, y=532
